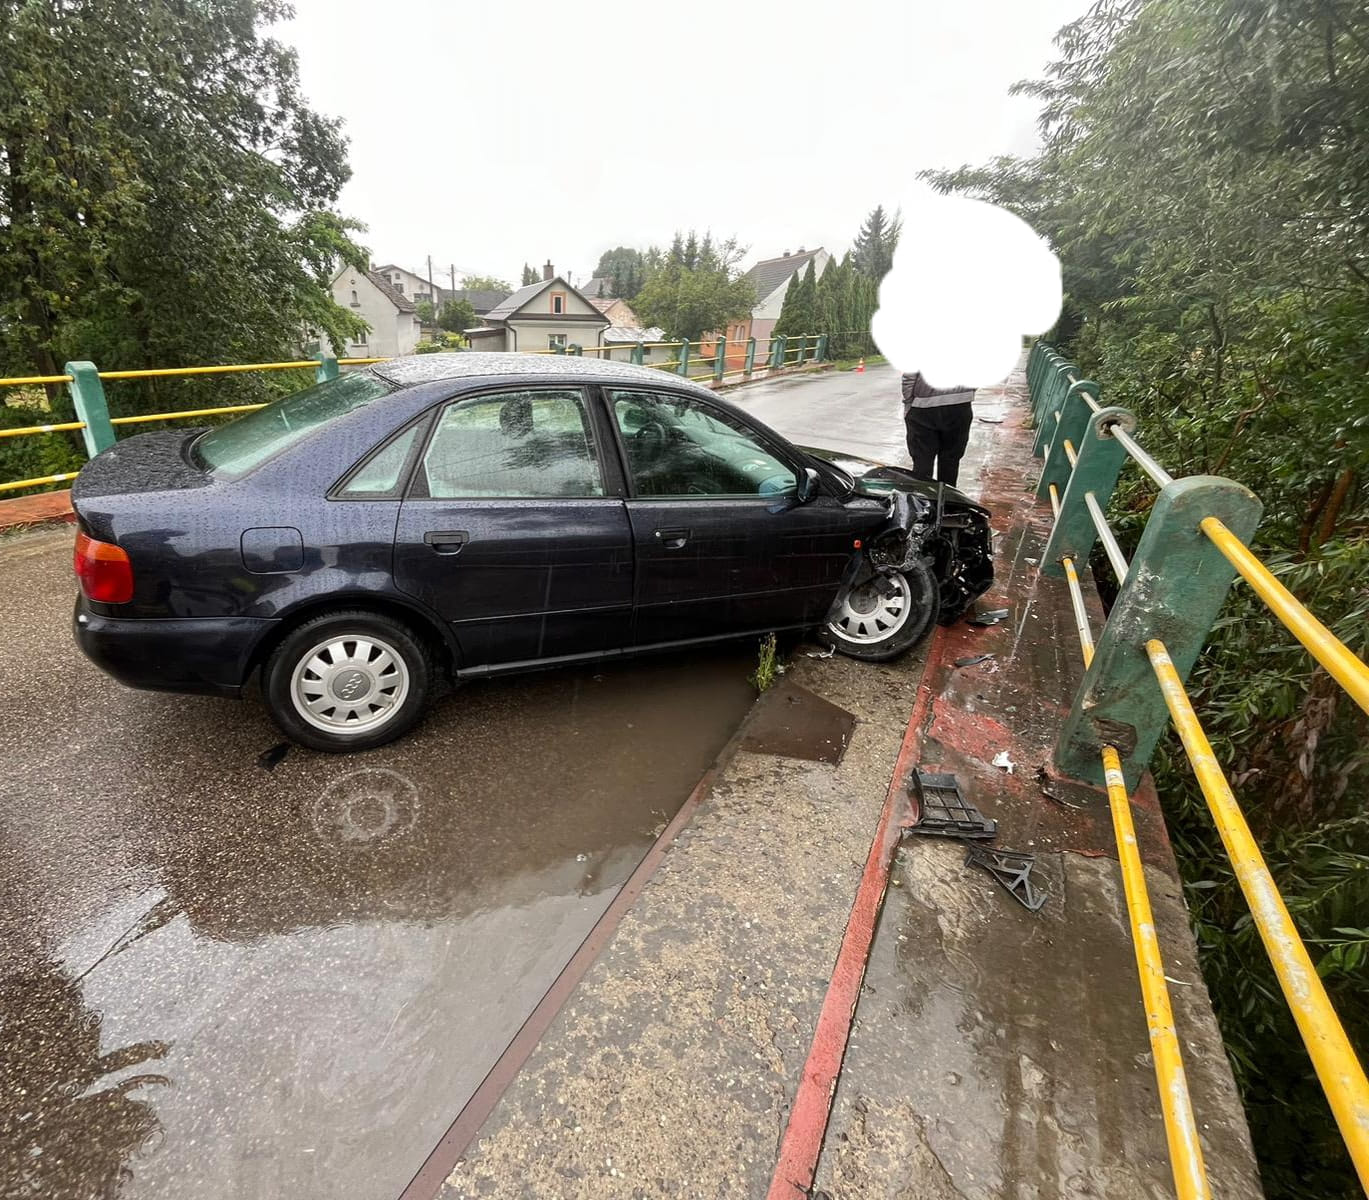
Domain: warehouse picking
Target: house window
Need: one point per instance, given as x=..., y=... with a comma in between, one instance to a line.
x=558, y=302
x=355, y=302
x=556, y=341
x=399, y=285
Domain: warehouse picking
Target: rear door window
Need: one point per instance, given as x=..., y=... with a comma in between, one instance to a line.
x=535, y=444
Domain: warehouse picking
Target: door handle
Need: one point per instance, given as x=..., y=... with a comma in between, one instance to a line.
x=447, y=541
x=672, y=539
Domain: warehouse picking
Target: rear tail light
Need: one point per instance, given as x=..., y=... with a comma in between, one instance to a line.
x=105, y=573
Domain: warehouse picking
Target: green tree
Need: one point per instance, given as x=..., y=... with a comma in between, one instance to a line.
x=424, y=309
x=798, y=313
x=873, y=252
x=165, y=193
x=1224, y=299
x=686, y=301
x=529, y=275
x=626, y=267
x=487, y=283
x=457, y=315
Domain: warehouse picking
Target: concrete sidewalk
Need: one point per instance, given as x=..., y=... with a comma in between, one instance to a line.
x=995, y=1052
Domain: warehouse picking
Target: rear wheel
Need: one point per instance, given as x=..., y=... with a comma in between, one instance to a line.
x=886, y=615
x=348, y=681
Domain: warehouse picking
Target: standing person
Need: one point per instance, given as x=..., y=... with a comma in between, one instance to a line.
x=938, y=422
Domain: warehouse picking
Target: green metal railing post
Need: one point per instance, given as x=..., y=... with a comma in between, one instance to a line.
x=803, y=349
x=327, y=369
x=777, y=352
x=750, y=357
x=683, y=368
x=88, y=395
x=1052, y=397
x=575, y=350
x=1101, y=457
x=1075, y=412
x=1173, y=592
x=820, y=355
x=638, y=353
x=720, y=360
x=558, y=349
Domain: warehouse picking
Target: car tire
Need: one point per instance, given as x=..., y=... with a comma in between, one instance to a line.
x=886, y=616
x=348, y=680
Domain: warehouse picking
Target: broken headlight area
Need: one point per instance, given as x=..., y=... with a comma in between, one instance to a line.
x=952, y=538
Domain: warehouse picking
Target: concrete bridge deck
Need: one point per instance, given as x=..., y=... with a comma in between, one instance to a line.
x=291, y=977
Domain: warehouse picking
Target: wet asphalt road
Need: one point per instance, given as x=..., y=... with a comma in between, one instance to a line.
x=223, y=978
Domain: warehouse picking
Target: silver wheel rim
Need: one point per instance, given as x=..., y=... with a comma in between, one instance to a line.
x=874, y=612
x=349, y=684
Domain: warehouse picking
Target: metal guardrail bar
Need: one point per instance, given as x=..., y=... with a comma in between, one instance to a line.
x=1081, y=615
x=143, y=418
x=1070, y=452
x=1181, y=1126
x=1157, y=473
x=32, y=380
x=26, y=430
x=1342, y=1077
x=1347, y=670
x=41, y=481
x=1120, y=566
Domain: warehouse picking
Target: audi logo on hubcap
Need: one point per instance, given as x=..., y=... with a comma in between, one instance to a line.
x=351, y=685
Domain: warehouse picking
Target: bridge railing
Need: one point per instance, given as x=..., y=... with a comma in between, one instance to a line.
x=1192, y=548
x=725, y=360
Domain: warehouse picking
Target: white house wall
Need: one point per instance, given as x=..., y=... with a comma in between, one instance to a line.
x=392, y=332
x=769, y=307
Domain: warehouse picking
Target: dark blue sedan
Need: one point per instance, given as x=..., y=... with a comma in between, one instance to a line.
x=361, y=543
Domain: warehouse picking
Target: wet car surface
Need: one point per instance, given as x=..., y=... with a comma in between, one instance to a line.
x=223, y=977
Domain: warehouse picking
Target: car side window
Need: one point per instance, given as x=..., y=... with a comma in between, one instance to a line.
x=380, y=475
x=514, y=445
x=677, y=446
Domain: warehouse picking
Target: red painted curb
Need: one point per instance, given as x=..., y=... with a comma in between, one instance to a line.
x=803, y=1136
x=21, y=512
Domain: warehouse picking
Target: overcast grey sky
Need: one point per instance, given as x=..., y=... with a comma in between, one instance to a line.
x=492, y=134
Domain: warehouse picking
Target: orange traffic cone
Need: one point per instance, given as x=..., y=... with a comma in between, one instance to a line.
x=860, y=366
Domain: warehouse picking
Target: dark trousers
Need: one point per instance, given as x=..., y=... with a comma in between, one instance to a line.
x=938, y=435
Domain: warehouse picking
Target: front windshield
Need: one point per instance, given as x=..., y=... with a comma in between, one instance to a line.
x=234, y=449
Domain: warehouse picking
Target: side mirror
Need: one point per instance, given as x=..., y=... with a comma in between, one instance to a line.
x=808, y=485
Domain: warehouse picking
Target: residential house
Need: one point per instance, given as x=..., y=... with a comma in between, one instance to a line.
x=391, y=315
x=406, y=283
x=546, y=315
x=598, y=288
x=771, y=278
x=480, y=299
x=617, y=311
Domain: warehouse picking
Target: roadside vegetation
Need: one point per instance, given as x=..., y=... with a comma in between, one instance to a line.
x=1205, y=181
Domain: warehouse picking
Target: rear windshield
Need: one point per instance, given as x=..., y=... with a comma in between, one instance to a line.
x=237, y=447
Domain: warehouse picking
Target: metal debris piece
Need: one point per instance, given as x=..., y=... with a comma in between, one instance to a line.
x=969, y=662
x=942, y=811
x=1001, y=759
x=831, y=650
x=992, y=617
x=1012, y=869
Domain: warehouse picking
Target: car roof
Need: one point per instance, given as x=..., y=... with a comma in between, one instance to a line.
x=430, y=368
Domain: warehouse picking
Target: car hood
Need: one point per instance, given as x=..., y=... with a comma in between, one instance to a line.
x=878, y=479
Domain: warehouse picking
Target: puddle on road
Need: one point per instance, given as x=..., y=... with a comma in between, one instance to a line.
x=793, y=722
x=293, y=978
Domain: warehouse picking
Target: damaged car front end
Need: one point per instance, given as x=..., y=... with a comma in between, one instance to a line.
x=928, y=563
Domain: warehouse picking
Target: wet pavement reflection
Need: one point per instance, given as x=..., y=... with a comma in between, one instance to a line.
x=228, y=970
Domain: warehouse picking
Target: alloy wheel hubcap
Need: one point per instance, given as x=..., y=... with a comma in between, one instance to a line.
x=873, y=612
x=349, y=684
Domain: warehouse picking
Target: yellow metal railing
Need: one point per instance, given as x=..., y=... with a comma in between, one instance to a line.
x=1333, y=1057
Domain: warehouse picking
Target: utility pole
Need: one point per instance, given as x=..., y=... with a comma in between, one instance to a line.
x=451, y=268
x=432, y=291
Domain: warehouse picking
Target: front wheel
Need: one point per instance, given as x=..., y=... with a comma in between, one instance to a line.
x=886, y=615
x=348, y=681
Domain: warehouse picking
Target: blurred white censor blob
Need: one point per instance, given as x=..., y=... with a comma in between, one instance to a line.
x=969, y=279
